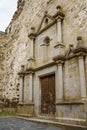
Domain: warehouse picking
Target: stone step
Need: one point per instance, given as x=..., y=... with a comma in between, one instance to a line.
x=46, y=117
x=54, y=123
x=23, y=115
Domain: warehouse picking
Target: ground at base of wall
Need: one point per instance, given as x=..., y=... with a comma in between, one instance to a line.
x=6, y=113
x=64, y=126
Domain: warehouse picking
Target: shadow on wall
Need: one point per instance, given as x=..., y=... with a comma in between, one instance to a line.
x=6, y=103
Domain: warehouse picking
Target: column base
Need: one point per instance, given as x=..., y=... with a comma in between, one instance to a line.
x=26, y=103
x=25, y=108
x=59, y=101
x=83, y=98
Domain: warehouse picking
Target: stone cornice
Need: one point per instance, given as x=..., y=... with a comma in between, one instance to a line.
x=59, y=58
x=72, y=102
x=21, y=73
x=45, y=66
x=27, y=104
x=59, y=45
x=30, y=71
x=80, y=49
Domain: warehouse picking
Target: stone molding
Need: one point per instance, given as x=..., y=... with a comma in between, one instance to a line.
x=27, y=104
x=72, y=102
x=29, y=71
x=31, y=59
x=21, y=73
x=59, y=58
x=80, y=49
x=59, y=45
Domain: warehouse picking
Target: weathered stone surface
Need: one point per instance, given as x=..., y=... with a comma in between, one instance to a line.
x=15, y=51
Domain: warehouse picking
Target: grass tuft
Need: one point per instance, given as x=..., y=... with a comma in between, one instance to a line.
x=4, y=113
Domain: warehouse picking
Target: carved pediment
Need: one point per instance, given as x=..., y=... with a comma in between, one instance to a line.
x=46, y=21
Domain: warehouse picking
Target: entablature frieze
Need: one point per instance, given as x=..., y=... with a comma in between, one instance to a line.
x=78, y=52
x=58, y=60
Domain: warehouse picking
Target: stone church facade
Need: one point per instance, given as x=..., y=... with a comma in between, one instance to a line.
x=45, y=59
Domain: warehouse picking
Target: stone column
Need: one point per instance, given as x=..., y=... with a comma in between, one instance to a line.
x=21, y=94
x=82, y=77
x=60, y=17
x=21, y=89
x=59, y=82
x=32, y=37
x=59, y=31
x=31, y=87
x=32, y=47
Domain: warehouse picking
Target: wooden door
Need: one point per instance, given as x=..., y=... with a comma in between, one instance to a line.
x=48, y=94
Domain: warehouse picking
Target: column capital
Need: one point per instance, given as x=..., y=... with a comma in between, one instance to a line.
x=59, y=19
x=30, y=64
x=81, y=56
x=59, y=15
x=80, y=51
x=21, y=75
x=59, y=59
x=30, y=71
x=32, y=36
x=59, y=62
x=22, y=71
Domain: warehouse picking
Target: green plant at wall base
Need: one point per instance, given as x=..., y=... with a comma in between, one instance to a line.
x=4, y=113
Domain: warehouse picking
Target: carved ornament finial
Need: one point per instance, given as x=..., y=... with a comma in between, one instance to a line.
x=79, y=38
x=22, y=67
x=32, y=29
x=80, y=41
x=58, y=8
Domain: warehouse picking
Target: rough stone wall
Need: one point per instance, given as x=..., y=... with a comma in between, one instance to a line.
x=3, y=46
x=29, y=14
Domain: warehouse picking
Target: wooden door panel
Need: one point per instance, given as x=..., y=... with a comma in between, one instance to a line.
x=44, y=105
x=48, y=94
x=51, y=93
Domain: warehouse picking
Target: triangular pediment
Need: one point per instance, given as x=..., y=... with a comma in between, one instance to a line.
x=45, y=22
